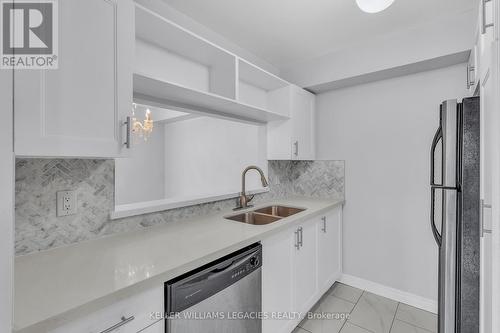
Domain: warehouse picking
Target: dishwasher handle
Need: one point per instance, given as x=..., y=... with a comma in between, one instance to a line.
x=195, y=286
x=219, y=271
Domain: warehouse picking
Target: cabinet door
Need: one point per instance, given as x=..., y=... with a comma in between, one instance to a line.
x=277, y=273
x=486, y=37
x=489, y=189
x=303, y=105
x=329, y=249
x=77, y=109
x=305, y=269
x=473, y=70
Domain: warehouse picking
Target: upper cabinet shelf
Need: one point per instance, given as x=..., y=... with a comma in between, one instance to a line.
x=168, y=52
x=260, y=88
x=177, y=69
x=162, y=93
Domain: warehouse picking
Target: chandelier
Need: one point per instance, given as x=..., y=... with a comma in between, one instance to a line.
x=142, y=129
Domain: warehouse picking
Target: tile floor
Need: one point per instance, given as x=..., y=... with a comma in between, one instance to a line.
x=346, y=309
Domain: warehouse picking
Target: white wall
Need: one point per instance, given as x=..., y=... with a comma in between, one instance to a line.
x=383, y=130
x=196, y=157
x=141, y=177
x=6, y=202
x=207, y=155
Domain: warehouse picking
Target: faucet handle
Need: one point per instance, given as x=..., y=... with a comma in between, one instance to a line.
x=250, y=197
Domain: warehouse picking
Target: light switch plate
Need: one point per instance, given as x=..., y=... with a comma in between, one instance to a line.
x=66, y=203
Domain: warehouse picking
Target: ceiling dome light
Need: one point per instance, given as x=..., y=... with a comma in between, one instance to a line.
x=374, y=6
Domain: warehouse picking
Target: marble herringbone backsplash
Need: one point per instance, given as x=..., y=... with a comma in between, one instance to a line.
x=38, y=180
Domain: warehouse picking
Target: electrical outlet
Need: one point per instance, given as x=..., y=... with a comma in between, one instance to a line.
x=66, y=203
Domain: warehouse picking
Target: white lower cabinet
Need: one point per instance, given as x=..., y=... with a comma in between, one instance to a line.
x=277, y=284
x=305, y=267
x=299, y=265
x=129, y=315
x=329, y=228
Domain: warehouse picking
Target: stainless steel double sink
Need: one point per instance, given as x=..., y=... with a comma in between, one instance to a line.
x=265, y=215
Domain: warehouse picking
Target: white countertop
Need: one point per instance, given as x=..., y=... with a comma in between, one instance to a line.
x=58, y=283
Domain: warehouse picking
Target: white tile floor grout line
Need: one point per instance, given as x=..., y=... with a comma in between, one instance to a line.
x=363, y=292
x=345, y=321
x=414, y=325
x=353, y=324
x=346, y=300
x=394, y=318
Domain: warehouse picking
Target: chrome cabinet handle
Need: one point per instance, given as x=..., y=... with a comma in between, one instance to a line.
x=296, y=144
x=297, y=241
x=468, y=77
x=324, y=224
x=481, y=223
x=128, y=125
x=120, y=324
x=301, y=237
x=470, y=82
x=484, y=25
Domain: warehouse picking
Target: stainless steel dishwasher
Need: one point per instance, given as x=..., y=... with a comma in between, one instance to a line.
x=221, y=297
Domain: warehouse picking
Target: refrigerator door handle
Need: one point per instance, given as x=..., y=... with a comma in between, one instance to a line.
x=438, y=136
x=435, y=232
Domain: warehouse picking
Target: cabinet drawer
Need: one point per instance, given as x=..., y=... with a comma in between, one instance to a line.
x=158, y=327
x=129, y=315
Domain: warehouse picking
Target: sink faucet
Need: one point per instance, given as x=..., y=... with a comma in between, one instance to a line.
x=244, y=199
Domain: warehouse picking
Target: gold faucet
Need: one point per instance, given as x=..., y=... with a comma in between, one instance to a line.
x=244, y=199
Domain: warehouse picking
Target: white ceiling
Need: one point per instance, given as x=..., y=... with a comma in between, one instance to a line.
x=288, y=31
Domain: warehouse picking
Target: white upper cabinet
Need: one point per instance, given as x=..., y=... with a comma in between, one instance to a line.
x=78, y=109
x=473, y=69
x=129, y=52
x=487, y=33
x=303, y=114
x=293, y=139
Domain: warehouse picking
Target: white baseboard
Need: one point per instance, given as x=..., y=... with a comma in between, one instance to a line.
x=395, y=294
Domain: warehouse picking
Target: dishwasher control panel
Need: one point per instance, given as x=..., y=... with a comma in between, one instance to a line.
x=249, y=266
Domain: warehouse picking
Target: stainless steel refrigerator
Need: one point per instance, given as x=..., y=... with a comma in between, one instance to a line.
x=455, y=209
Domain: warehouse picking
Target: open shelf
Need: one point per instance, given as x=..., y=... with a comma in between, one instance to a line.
x=170, y=95
x=257, y=77
x=171, y=53
x=179, y=70
x=261, y=89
